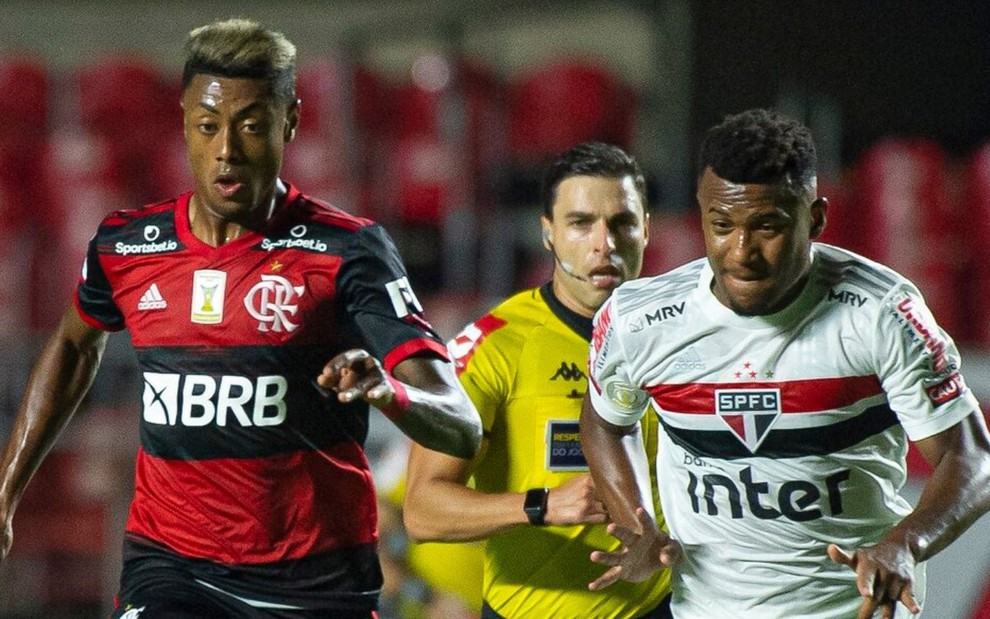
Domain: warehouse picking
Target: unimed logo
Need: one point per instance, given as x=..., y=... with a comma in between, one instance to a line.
x=197, y=400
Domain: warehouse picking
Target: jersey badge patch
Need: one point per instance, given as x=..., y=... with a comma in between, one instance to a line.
x=273, y=302
x=461, y=348
x=404, y=300
x=947, y=390
x=749, y=413
x=564, y=446
x=209, y=288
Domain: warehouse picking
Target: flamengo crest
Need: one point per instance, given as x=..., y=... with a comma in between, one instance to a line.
x=274, y=302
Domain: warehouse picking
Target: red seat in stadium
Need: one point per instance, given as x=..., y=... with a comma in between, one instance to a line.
x=86, y=182
x=908, y=221
x=439, y=137
x=125, y=100
x=675, y=238
x=976, y=247
x=119, y=90
x=564, y=103
x=27, y=76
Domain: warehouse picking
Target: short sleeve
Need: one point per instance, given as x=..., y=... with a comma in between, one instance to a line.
x=482, y=367
x=616, y=398
x=919, y=366
x=374, y=289
x=94, y=296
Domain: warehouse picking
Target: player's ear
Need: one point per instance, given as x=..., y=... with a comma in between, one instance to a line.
x=818, y=216
x=547, y=232
x=291, y=120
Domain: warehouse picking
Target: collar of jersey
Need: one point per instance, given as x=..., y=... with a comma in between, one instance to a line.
x=779, y=320
x=241, y=243
x=577, y=323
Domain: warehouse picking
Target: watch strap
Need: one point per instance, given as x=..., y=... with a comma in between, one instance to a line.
x=535, y=505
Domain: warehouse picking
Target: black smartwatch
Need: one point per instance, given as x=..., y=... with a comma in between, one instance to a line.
x=535, y=505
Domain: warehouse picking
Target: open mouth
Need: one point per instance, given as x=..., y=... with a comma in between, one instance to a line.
x=605, y=277
x=227, y=185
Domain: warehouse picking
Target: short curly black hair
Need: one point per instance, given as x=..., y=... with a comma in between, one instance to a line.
x=590, y=159
x=760, y=146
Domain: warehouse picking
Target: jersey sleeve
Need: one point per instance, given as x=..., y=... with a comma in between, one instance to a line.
x=375, y=291
x=94, y=297
x=615, y=397
x=918, y=365
x=482, y=366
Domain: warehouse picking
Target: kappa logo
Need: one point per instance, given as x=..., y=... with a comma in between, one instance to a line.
x=272, y=301
x=568, y=371
x=152, y=299
x=749, y=413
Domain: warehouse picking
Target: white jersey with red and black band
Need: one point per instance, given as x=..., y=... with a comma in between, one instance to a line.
x=779, y=434
x=243, y=461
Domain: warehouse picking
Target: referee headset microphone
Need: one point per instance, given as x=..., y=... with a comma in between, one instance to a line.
x=566, y=267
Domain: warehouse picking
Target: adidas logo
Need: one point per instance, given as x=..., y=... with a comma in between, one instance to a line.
x=690, y=360
x=152, y=299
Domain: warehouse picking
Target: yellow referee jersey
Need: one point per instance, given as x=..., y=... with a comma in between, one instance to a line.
x=524, y=367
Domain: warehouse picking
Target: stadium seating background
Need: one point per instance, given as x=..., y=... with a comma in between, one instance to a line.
x=436, y=118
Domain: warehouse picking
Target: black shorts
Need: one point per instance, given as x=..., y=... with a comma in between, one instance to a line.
x=156, y=583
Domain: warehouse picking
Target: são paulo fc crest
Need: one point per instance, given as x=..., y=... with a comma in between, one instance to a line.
x=749, y=413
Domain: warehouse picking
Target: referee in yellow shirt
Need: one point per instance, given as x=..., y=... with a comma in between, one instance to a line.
x=523, y=365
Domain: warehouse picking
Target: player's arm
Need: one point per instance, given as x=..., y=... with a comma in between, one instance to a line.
x=956, y=494
x=617, y=460
x=421, y=396
x=440, y=507
x=59, y=380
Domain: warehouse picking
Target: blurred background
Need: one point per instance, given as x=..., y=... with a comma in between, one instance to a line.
x=437, y=118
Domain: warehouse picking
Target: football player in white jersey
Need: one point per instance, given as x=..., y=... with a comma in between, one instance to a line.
x=788, y=376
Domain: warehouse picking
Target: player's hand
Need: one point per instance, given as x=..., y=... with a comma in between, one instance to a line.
x=575, y=502
x=639, y=557
x=356, y=374
x=884, y=576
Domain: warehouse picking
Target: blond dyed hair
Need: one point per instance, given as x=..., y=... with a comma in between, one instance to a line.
x=242, y=48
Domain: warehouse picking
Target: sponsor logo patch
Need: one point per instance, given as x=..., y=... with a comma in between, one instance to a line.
x=564, y=446
x=404, y=300
x=152, y=299
x=689, y=360
x=947, y=390
x=461, y=348
x=925, y=332
x=125, y=249
x=196, y=400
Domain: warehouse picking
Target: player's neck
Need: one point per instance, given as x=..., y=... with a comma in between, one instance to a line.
x=215, y=227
